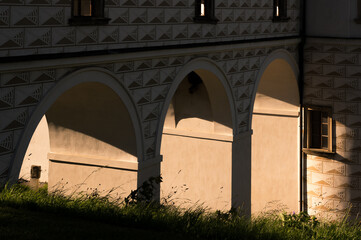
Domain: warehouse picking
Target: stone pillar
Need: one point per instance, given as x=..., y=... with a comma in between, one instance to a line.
x=241, y=172
x=148, y=169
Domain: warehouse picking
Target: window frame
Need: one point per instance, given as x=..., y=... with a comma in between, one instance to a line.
x=282, y=11
x=308, y=129
x=96, y=17
x=208, y=17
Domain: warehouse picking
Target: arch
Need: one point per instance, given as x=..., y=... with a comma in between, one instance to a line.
x=199, y=66
x=197, y=138
x=82, y=76
x=275, y=142
x=279, y=54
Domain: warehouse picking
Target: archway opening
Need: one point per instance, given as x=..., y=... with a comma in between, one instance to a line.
x=197, y=144
x=275, y=140
x=85, y=142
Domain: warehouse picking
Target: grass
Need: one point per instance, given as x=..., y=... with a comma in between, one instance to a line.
x=29, y=224
x=28, y=214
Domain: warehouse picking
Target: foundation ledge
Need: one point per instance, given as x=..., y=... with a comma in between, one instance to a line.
x=98, y=161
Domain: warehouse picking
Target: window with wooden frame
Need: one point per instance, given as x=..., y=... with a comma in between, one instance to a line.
x=204, y=12
x=318, y=129
x=280, y=11
x=88, y=12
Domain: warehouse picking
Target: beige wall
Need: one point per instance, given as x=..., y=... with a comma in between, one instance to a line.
x=92, y=143
x=198, y=170
x=90, y=125
x=277, y=92
x=90, y=119
x=275, y=162
x=37, y=152
x=68, y=178
x=275, y=140
x=197, y=145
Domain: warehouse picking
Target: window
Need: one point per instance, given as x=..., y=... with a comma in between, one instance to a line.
x=358, y=18
x=280, y=10
x=318, y=125
x=204, y=11
x=88, y=12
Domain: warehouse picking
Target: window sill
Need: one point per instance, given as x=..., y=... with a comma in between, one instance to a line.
x=210, y=20
x=85, y=20
x=281, y=19
x=316, y=151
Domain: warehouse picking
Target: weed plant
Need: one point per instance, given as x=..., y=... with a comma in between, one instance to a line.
x=140, y=212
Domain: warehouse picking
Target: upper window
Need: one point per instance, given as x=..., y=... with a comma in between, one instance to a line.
x=318, y=123
x=280, y=10
x=358, y=18
x=204, y=11
x=88, y=12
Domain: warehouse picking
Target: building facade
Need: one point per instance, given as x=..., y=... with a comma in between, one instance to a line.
x=331, y=79
x=208, y=94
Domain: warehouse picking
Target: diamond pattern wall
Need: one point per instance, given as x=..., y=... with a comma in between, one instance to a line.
x=37, y=24
x=332, y=78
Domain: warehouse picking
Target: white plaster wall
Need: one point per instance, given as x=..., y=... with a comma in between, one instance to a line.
x=37, y=152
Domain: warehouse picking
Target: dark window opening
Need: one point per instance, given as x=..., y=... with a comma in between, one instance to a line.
x=204, y=12
x=195, y=80
x=88, y=12
x=358, y=18
x=318, y=124
x=280, y=11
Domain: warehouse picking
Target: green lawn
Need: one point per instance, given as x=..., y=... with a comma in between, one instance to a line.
x=27, y=224
x=28, y=214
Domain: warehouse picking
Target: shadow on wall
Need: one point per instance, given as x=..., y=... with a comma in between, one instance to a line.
x=275, y=140
x=91, y=119
x=278, y=89
x=88, y=126
x=195, y=108
x=197, y=144
x=191, y=101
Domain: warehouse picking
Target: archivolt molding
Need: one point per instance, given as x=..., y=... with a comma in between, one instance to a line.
x=86, y=75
